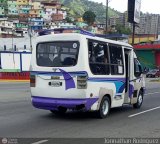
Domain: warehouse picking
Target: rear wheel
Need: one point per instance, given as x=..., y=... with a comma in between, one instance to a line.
x=104, y=108
x=139, y=100
x=60, y=111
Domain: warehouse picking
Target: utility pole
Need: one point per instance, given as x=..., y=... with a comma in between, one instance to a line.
x=12, y=39
x=30, y=37
x=133, y=34
x=29, y=27
x=106, y=17
x=30, y=31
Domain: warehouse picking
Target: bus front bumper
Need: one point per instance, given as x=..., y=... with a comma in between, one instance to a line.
x=54, y=103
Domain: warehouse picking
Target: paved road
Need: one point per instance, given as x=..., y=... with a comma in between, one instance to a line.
x=18, y=119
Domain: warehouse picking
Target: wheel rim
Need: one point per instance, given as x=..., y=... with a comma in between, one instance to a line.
x=105, y=107
x=140, y=99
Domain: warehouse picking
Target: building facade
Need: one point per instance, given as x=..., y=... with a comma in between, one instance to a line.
x=57, y=17
x=149, y=55
x=12, y=7
x=3, y=8
x=6, y=28
x=22, y=2
x=36, y=23
x=149, y=24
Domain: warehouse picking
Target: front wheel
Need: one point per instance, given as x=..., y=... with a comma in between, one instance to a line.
x=104, y=108
x=139, y=100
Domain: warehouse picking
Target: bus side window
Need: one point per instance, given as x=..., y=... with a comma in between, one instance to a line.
x=116, y=57
x=98, y=58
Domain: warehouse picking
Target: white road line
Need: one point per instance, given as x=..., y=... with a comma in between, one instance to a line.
x=40, y=142
x=144, y=112
x=152, y=93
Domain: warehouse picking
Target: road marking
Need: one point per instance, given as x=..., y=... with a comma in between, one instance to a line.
x=152, y=93
x=144, y=112
x=40, y=142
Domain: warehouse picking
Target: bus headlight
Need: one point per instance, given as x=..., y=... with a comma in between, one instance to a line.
x=82, y=82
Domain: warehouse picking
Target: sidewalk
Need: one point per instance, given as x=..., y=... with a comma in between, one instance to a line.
x=152, y=83
x=14, y=80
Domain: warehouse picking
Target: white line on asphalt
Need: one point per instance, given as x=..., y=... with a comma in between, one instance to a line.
x=152, y=93
x=40, y=142
x=144, y=112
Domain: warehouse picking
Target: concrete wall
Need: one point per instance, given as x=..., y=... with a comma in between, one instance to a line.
x=19, y=42
x=18, y=61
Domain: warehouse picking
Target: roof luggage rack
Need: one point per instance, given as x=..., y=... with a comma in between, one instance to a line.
x=65, y=30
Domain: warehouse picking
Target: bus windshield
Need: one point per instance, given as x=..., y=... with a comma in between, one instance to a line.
x=57, y=54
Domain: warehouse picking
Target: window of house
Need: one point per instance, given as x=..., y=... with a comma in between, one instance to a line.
x=98, y=58
x=2, y=29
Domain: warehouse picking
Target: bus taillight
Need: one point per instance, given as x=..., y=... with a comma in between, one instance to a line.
x=32, y=80
x=82, y=82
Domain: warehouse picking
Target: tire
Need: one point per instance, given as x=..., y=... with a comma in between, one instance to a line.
x=139, y=101
x=60, y=111
x=104, y=108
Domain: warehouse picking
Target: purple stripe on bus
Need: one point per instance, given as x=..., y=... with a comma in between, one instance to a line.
x=69, y=82
x=54, y=103
x=131, y=90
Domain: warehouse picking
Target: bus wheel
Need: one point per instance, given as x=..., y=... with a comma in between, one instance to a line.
x=104, y=108
x=60, y=111
x=139, y=100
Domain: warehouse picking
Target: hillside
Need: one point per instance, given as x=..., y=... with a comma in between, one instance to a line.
x=78, y=7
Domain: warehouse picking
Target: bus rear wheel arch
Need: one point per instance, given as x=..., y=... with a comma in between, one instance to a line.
x=104, y=108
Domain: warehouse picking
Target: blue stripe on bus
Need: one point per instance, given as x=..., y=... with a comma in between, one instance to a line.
x=119, y=82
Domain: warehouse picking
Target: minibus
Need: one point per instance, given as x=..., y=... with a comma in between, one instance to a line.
x=74, y=71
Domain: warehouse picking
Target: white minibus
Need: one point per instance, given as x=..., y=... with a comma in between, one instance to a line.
x=81, y=72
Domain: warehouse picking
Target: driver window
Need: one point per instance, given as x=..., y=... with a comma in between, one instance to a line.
x=137, y=68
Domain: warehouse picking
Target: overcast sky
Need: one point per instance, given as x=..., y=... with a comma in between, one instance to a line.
x=151, y=6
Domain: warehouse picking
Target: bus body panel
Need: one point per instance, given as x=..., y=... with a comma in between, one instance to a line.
x=48, y=94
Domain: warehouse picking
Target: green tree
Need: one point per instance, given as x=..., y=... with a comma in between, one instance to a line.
x=68, y=19
x=89, y=17
x=122, y=29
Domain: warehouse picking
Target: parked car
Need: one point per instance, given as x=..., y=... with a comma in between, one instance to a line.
x=153, y=73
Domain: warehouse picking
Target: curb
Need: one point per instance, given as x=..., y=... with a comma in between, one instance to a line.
x=14, y=80
x=154, y=81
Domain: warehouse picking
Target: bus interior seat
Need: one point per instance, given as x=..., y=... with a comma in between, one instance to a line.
x=56, y=61
x=69, y=61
